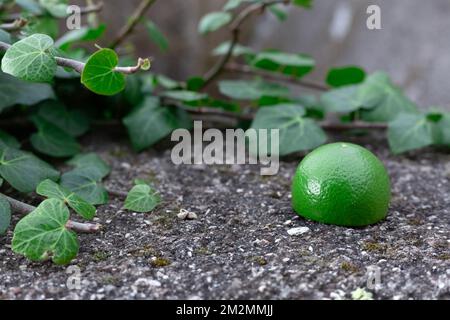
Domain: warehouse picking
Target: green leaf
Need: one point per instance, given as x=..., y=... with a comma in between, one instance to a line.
x=409, y=132
x=151, y=122
x=232, y=4
x=23, y=170
x=99, y=75
x=53, y=141
x=303, y=3
x=85, y=182
x=7, y=140
x=73, y=122
x=341, y=100
x=344, y=76
x=442, y=130
x=384, y=100
x=43, y=234
x=195, y=83
x=157, y=36
x=31, y=59
x=5, y=36
x=279, y=13
x=79, y=35
x=142, y=198
x=214, y=21
x=238, y=49
x=93, y=161
x=57, y=8
x=52, y=190
x=296, y=65
x=184, y=95
x=5, y=215
x=251, y=90
x=14, y=91
x=43, y=25
x=296, y=132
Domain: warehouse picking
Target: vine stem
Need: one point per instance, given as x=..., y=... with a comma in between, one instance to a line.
x=84, y=10
x=234, y=67
x=24, y=209
x=79, y=66
x=235, y=30
x=14, y=25
x=128, y=28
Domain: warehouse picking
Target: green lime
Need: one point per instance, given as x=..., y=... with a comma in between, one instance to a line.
x=342, y=184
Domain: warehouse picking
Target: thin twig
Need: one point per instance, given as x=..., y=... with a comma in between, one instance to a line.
x=14, y=25
x=83, y=10
x=128, y=28
x=234, y=67
x=79, y=66
x=235, y=29
x=24, y=209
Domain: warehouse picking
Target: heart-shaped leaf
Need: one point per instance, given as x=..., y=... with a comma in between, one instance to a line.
x=214, y=21
x=93, y=161
x=31, y=59
x=86, y=183
x=252, y=90
x=152, y=122
x=409, y=132
x=142, y=198
x=73, y=122
x=5, y=215
x=23, y=170
x=296, y=65
x=57, y=8
x=296, y=133
x=7, y=140
x=43, y=234
x=341, y=100
x=52, y=190
x=184, y=95
x=53, y=141
x=99, y=75
x=344, y=76
x=157, y=36
x=14, y=91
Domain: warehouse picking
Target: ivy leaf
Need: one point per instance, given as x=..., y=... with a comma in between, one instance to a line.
x=99, y=75
x=383, y=98
x=73, y=122
x=232, y=4
x=142, y=198
x=5, y=215
x=7, y=140
x=195, y=83
x=152, y=122
x=341, y=100
x=442, y=136
x=85, y=182
x=296, y=132
x=157, y=36
x=43, y=234
x=238, y=49
x=5, y=36
x=296, y=65
x=31, y=59
x=214, y=21
x=14, y=91
x=93, y=161
x=344, y=76
x=279, y=13
x=408, y=132
x=52, y=190
x=251, y=90
x=23, y=170
x=184, y=95
x=57, y=8
x=53, y=141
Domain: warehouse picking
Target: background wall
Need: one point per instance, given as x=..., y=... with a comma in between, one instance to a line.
x=413, y=46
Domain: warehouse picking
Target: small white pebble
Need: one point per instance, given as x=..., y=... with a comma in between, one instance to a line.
x=298, y=231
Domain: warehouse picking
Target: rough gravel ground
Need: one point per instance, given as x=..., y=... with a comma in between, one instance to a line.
x=239, y=246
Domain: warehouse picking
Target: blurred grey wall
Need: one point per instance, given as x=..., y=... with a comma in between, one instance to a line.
x=413, y=45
